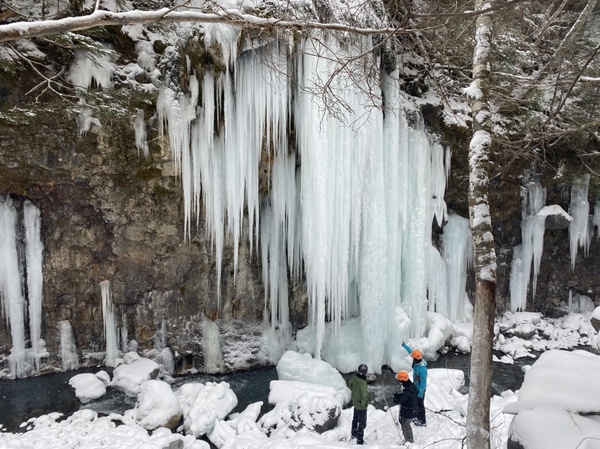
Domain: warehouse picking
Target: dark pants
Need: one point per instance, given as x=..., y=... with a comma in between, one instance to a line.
x=359, y=422
x=421, y=410
x=407, y=429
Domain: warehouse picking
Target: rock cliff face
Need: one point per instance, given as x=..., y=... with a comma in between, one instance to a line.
x=109, y=213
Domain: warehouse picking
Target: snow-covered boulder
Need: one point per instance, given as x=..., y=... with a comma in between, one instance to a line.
x=556, y=380
x=294, y=366
x=301, y=405
x=157, y=406
x=87, y=387
x=203, y=405
x=595, y=319
x=315, y=411
x=130, y=377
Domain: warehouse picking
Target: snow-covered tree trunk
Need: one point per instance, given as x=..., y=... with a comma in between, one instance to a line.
x=478, y=412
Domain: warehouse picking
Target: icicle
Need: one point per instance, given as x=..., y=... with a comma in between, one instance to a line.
x=124, y=335
x=68, y=349
x=279, y=222
x=213, y=357
x=139, y=126
x=11, y=288
x=580, y=211
x=88, y=67
x=110, y=329
x=35, y=278
x=437, y=284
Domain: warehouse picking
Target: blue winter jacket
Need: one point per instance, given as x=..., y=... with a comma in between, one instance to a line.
x=419, y=373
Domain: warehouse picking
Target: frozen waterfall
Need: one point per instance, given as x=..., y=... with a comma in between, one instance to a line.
x=351, y=211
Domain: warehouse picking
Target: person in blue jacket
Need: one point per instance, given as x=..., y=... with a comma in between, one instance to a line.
x=420, y=380
x=360, y=401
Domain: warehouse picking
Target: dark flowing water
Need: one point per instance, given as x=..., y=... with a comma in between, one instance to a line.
x=22, y=399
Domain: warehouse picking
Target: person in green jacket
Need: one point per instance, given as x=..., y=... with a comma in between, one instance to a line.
x=360, y=401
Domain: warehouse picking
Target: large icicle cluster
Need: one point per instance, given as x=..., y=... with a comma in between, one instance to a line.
x=531, y=248
x=352, y=210
x=579, y=235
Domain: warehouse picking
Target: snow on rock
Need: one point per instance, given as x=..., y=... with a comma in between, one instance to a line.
x=294, y=366
x=84, y=429
x=442, y=388
x=87, y=387
x=129, y=377
x=554, y=428
x=557, y=390
x=556, y=380
x=157, y=406
x=302, y=405
x=203, y=405
x=104, y=377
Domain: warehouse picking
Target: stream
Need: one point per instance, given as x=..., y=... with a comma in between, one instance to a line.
x=22, y=399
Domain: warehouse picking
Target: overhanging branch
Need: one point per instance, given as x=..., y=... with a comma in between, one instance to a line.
x=24, y=30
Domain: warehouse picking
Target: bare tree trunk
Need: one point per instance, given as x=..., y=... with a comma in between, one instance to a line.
x=480, y=388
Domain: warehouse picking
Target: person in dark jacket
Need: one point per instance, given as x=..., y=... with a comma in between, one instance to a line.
x=407, y=399
x=420, y=378
x=360, y=401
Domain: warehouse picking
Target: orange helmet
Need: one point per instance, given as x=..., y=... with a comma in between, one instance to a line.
x=417, y=354
x=402, y=376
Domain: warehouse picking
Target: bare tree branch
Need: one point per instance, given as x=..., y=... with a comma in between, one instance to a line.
x=23, y=30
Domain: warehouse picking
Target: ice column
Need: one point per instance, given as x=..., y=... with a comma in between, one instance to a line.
x=110, y=326
x=596, y=219
x=68, y=349
x=532, y=245
x=580, y=211
x=279, y=231
x=139, y=126
x=213, y=357
x=457, y=244
x=34, y=257
x=11, y=288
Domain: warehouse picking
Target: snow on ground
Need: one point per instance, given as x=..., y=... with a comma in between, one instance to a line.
x=557, y=388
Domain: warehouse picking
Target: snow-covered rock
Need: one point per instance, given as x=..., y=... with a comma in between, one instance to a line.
x=130, y=377
x=87, y=387
x=157, y=406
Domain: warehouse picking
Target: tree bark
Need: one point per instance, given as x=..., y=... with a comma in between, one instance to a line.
x=480, y=388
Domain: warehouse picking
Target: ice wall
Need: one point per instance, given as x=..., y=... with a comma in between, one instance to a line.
x=351, y=210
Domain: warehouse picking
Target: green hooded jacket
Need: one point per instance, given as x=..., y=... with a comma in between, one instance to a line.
x=360, y=397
